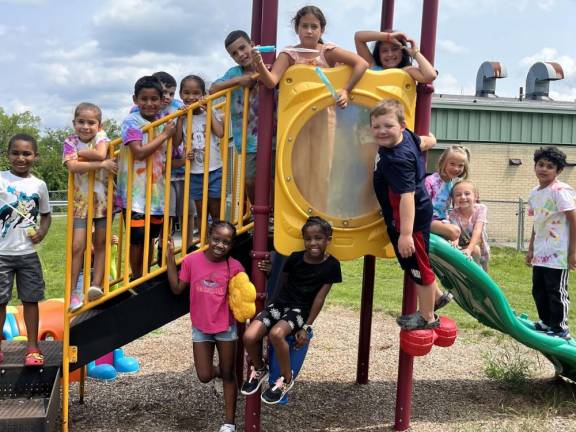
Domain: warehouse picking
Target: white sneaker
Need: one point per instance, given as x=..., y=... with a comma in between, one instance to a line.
x=227, y=427
x=94, y=293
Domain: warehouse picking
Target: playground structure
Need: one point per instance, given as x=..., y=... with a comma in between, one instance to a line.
x=137, y=306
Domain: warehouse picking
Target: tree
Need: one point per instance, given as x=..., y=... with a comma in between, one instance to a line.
x=49, y=166
x=11, y=125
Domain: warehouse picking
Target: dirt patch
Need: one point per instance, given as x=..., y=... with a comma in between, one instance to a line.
x=451, y=391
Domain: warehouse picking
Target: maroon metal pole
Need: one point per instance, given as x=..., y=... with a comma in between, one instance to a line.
x=387, y=16
x=367, y=299
x=363, y=362
x=256, y=31
x=421, y=127
x=261, y=206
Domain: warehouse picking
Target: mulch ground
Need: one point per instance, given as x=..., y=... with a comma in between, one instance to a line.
x=451, y=390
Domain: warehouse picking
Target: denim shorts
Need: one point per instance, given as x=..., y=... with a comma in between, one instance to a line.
x=29, y=277
x=214, y=185
x=225, y=336
x=99, y=223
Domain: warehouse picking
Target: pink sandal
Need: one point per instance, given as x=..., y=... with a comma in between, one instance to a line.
x=34, y=358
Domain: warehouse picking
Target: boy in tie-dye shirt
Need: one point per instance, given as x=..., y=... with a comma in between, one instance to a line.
x=148, y=98
x=552, y=250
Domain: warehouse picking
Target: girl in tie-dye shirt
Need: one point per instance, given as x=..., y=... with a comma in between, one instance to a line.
x=85, y=152
x=452, y=166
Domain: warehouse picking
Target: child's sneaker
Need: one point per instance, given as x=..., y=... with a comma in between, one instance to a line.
x=416, y=321
x=564, y=334
x=76, y=301
x=443, y=300
x=541, y=327
x=94, y=293
x=257, y=376
x=227, y=427
x=275, y=393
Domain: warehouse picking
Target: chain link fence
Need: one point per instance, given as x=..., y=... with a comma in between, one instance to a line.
x=507, y=223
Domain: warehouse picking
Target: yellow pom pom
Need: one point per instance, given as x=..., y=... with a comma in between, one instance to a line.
x=242, y=297
x=30, y=231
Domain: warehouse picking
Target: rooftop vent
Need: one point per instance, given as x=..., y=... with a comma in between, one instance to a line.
x=486, y=78
x=539, y=77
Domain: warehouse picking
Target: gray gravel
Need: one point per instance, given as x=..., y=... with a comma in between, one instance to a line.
x=451, y=391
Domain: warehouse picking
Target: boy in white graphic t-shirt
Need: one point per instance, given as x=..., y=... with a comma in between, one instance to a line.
x=552, y=250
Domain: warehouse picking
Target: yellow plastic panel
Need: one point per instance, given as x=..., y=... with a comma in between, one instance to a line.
x=325, y=159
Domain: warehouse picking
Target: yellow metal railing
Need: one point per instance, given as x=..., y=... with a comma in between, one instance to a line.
x=233, y=193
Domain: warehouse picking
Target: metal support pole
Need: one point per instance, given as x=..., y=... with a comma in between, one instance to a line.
x=520, y=227
x=256, y=31
x=387, y=15
x=261, y=207
x=365, y=319
x=369, y=272
x=421, y=127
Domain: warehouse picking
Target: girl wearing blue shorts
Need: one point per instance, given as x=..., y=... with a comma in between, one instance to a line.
x=192, y=90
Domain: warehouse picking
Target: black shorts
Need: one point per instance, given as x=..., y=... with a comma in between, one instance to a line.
x=137, y=222
x=271, y=314
x=418, y=264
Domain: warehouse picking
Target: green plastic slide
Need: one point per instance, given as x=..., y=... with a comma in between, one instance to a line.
x=481, y=297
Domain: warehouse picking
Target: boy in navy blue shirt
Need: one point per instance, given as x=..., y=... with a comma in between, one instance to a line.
x=399, y=173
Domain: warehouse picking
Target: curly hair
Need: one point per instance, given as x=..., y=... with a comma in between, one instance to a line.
x=318, y=221
x=552, y=154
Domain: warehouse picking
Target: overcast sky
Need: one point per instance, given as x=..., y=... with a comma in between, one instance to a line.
x=57, y=53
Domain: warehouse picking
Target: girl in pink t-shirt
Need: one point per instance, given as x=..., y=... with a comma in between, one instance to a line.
x=471, y=217
x=207, y=274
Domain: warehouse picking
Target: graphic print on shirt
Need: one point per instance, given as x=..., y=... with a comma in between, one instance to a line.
x=19, y=213
x=214, y=284
x=198, y=144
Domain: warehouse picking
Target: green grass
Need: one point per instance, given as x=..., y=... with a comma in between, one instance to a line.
x=52, y=252
x=507, y=268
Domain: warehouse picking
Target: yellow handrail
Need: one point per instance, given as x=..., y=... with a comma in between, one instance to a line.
x=232, y=162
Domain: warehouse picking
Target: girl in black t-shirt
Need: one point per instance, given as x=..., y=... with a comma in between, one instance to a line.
x=306, y=280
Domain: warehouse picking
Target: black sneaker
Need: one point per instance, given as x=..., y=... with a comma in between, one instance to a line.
x=564, y=334
x=257, y=377
x=541, y=327
x=443, y=300
x=416, y=321
x=275, y=393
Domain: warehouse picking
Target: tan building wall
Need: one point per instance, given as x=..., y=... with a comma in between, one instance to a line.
x=497, y=180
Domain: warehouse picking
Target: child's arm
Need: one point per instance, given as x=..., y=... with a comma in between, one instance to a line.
x=302, y=335
x=217, y=125
x=270, y=77
x=425, y=72
x=571, y=219
x=179, y=133
x=76, y=166
x=45, y=222
x=245, y=80
x=407, y=213
x=176, y=285
x=530, y=253
x=98, y=153
x=142, y=151
x=361, y=38
x=427, y=142
x=474, y=238
x=358, y=64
